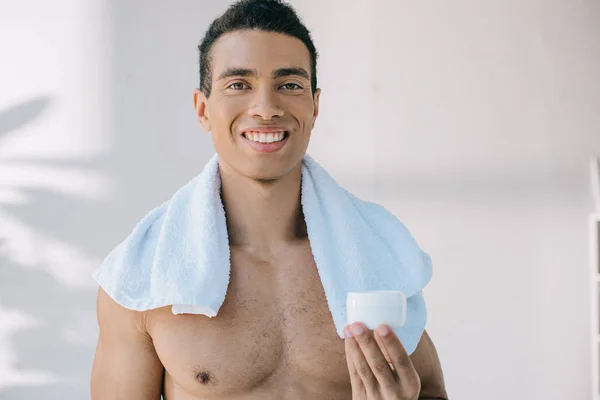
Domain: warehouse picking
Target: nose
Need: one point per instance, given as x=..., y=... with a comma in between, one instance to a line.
x=265, y=105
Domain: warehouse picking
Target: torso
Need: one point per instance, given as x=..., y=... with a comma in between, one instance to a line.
x=273, y=337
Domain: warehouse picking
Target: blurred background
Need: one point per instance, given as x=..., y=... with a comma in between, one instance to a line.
x=473, y=121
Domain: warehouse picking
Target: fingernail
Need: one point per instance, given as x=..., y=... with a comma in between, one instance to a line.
x=347, y=332
x=357, y=329
x=382, y=330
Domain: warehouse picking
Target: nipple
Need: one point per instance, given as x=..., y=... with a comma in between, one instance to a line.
x=203, y=377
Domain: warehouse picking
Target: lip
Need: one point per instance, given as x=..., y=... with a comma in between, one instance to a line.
x=266, y=147
x=266, y=129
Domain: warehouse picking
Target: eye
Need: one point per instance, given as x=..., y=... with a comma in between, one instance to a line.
x=237, y=86
x=291, y=86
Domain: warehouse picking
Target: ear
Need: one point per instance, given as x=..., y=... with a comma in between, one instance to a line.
x=201, y=108
x=316, y=97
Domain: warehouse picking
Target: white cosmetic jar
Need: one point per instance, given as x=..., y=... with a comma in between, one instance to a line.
x=374, y=308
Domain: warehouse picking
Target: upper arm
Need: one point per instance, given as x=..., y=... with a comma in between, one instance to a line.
x=427, y=363
x=126, y=365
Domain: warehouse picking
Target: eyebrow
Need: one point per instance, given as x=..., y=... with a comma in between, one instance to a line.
x=231, y=72
x=279, y=73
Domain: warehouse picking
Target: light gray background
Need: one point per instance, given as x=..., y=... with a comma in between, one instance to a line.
x=473, y=121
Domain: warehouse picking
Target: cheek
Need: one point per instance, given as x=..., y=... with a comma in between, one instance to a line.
x=303, y=111
x=225, y=112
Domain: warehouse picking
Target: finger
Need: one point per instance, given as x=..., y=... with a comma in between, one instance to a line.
x=383, y=350
x=374, y=356
x=361, y=365
x=409, y=379
x=386, y=355
x=352, y=346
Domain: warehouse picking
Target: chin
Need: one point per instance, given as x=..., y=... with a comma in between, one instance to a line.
x=260, y=168
x=267, y=176
x=270, y=173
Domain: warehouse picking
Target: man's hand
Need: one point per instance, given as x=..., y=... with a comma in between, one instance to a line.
x=380, y=368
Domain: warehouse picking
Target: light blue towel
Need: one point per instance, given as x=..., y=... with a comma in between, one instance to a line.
x=178, y=254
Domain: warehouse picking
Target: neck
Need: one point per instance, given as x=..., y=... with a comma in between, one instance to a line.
x=262, y=215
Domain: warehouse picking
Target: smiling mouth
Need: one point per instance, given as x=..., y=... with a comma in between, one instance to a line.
x=266, y=137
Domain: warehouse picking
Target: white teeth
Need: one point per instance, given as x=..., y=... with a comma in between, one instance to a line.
x=265, y=138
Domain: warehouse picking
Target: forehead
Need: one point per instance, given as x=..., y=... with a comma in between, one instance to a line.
x=260, y=50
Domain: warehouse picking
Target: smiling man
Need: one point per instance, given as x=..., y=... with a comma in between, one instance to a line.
x=258, y=97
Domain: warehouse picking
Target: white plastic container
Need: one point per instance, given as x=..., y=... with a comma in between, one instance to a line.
x=377, y=307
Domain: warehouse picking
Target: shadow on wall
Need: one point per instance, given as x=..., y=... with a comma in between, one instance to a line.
x=52, y=345
x=53, y=234
x=45, y=321
x=19, y=116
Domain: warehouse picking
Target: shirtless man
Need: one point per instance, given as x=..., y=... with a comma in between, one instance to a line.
x=265, y=342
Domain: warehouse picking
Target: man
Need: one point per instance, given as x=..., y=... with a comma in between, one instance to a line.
x=258, y=97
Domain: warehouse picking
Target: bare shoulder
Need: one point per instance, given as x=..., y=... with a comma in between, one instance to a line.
x=427, y=363
x=126, y=365
x=114, y=317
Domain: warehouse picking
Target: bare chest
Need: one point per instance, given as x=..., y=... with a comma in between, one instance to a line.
x=273, y=330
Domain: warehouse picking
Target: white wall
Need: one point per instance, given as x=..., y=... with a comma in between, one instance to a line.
x=55, y=192
x=472, y=120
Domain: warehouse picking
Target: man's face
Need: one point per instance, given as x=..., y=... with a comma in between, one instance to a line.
x=260, y=86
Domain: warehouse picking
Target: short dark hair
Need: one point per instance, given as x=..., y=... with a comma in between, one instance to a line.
x=266, y=15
